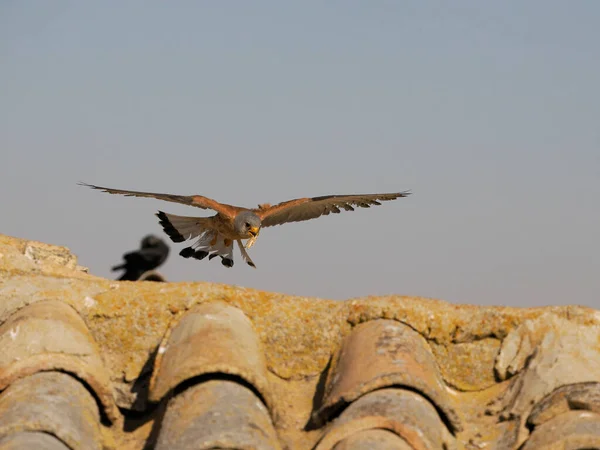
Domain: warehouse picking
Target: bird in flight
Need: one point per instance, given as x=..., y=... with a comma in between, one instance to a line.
x=216, y=235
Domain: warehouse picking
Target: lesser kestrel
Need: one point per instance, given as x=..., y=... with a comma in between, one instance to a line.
x=216, y=234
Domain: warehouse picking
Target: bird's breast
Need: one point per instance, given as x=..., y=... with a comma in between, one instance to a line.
x=225, y=227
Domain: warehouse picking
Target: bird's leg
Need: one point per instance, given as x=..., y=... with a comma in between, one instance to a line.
x=245, y=255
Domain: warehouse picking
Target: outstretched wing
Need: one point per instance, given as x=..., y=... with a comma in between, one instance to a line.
x=311, y=208
x=192, y=200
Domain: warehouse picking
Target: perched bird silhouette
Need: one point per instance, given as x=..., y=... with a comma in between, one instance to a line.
x=152, y=253
x=216, y=234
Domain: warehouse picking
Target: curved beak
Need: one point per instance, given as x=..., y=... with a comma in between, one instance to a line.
x=254, y=231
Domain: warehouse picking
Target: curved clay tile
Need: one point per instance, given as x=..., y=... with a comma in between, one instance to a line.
x=211, y=338
x=407, y=414
x=569, y=431
x=53, y=403
x=152, y=275
x=541, y=356
x=373, y=440
x=50, y=335
x=525, y=378
x=384, y=353
x=217, y=414
x=34, y=440
x=580, y=396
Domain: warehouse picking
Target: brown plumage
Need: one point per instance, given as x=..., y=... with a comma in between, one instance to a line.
x=233, y=223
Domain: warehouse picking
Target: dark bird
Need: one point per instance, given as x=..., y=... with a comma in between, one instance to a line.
x=216, y=235
x=152, y=253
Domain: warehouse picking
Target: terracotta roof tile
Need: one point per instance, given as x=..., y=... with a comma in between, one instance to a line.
x=31, y=440
x=217, y=365
x=50, y=335
x=541, y=357
x=571, y=430
x=211, y=338
x=383, y=353
x=53, y=403
x=373, y=439
x=408, y=414
x=217, y=414
x=577, y=396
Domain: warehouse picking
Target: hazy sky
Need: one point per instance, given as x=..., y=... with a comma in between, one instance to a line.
x=488, y=111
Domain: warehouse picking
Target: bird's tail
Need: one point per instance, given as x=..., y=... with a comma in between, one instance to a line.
x=181, y=228
x=209, y=242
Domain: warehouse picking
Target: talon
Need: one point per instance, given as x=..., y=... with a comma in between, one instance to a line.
x=227, y=262
x=187, y=252
x=200, y=254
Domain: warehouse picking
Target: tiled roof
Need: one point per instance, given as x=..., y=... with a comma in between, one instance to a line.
x=90, y=363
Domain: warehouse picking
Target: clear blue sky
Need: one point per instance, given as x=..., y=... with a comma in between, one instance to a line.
x=488, y=111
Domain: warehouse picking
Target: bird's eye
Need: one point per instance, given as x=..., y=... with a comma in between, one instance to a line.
x=247, y=225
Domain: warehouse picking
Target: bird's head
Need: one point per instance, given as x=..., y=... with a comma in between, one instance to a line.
x=247, y=224
x=150, y=241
